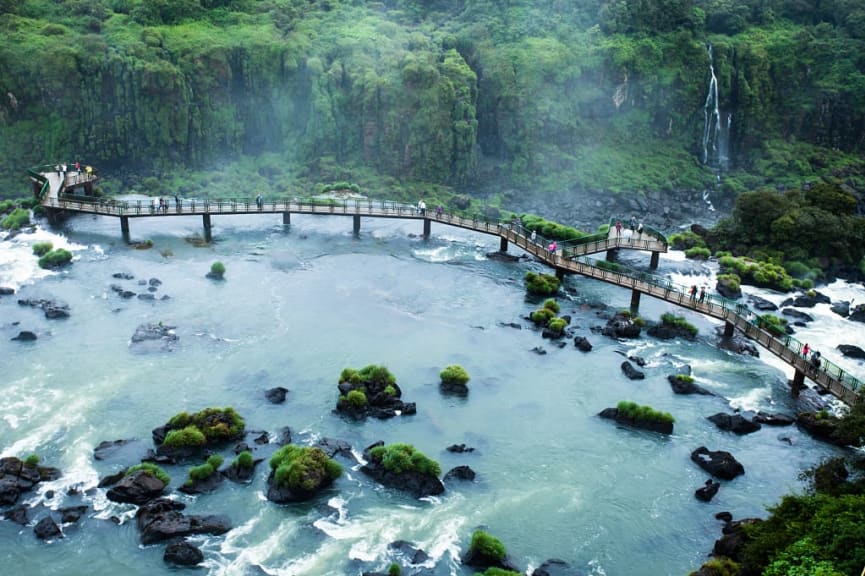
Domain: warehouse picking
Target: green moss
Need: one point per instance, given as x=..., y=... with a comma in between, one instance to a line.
x=16, y=219
x=454, y=375
x=189, y=437
x=244, y=460
x=32, y=461
x=487, y=548
x=217, y=269
x=775, y=325
x=399, y=458
x=685, y=378
x=542, y=316
x=557, y=325
x=371, y=375
x=722, y=566
x=55, y=259
x=698, y=253
x=42, y=248
x=634, y=411
x=686, y=241
x=390, y=390
x=356, y=398
x=214, y=424
x=541, y=284
x=303, y=468
x=552, y=305
x=494, y=571
x=678, y=322
x=151, y=469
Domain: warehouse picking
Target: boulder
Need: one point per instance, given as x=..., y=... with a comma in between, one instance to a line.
x=71, y=514
x=720, y=464
x=205, y=486
x=631, y=372
x=684, y=384
x=123, y=276
x=851, y=351
x=651, y=425
x=460, y=473
x=539, y=350
x=555, y=567
x=47, y=529
x=241, y=474
x=820, y=427
x=276, y=395
x=724, y=287
x=52, y=308
x=409, y=551
x=459, y=448
x=666, y=331
x=725, y=517
x=857, y=314
x=734, y=423
x=841, y=308
x=707, y=491
x=6, y=291
x=25, y=336
x=415, y=483
x=773, y=419
x=582, y=344
x=18, y=515
x=160, y=520
x=762, y=304
x=807, y=300
x=480, y=561
x=16, y=478
x=182, y=553
x=136, y=488
x=383, y=400
x=333, y=447
x=124, y=450
x=732, y=543
x=146, y=296
x=621, y=326
x=797, y=315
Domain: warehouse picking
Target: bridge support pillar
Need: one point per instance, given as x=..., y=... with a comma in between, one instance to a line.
x=653, y=263
x=503, y=244
x=356, y=226
x=728, y=330
x=426, y=228
x=560, y=274
x=612, y=255
x=208, y=235
x=635, y=300
x=124, y=228
x=798, y=382
x=286, y=218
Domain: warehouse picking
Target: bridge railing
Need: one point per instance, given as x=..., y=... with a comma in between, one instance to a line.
x=738, y=314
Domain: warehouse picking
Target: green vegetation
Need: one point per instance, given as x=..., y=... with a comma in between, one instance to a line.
x=399, y=458
x=487, y=548
x=42, y=248
x=698, y=253
x=18, y=218
x=758, y=273
x=371, y=375
x=687, y=379
x=685, y=241
x=774, y=325
x=213, y=425
x=303, y=468
x=550, y=230
x=356, y=398
x=204, y=471
x=454, y=375
x=669, y=319
x=55, y=259
x=394, y=570
x=719, y=567
x=340, y=186
x=557, y=326
x=32, y=461
x=731, y=281
x=217, y=270
x=244, y=460
x=541, y=284
x=151, y=469
x=494, y=571
x=542, y=316
x=552, y=305
x=634, y=411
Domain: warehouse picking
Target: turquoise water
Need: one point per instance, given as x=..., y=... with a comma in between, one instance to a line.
x=298, y=306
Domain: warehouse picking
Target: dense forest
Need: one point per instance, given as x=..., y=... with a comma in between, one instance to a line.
x=472, y=95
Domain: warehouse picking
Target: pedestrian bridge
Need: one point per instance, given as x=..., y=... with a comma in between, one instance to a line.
x=62, y=193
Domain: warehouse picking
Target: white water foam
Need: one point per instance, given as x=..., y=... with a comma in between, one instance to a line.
x=19, y=266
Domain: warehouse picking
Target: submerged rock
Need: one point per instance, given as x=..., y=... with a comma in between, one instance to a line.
x=25, y=336
x=554, y=567
x=851, y=351
x=684, y=384
x=582, y=344
x=719, y=463
x=707, y=491
x=631, y=372
x=734, y=423
x=182, y=553
x=773, y=419
x=416, y=483
x=276, y=395
x=460, y=473
x=160, y=520
x=651, y=425
x=52, y=308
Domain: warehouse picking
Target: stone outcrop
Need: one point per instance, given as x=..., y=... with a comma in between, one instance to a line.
x=707, y=491
x=380, y=403
x=807, y=300
x=667, y=331
x=155, y=336
x=460, y=473
x=857, y=314
x=459, y=448
x=554, y=567
x=684, y=384
x=841, y=308
x=276, y=395
x=582, y=344
x=797, y=315
x=52, y=308
x=735, y=423
x=727, y=289
x=851, y=351
x=761, y=304
x=411, y=481
x=621, y=326
x=412, y=554
x=773, y=419
x=182, y=553
x=652, y=425
x=720, y=464
x=161, y=520
x=820, y=426
x=47, y=529
x=16, y=477
x=25, y=336
x=205, y=486
x=631, y=372
x=136, y=488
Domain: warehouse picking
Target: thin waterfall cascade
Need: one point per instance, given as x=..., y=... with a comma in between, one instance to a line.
x=716, y=126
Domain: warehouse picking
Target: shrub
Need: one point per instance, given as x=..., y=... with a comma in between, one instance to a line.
x=541, y=284
x=774, y=325
x=634, y=411
x=6, y=206
x=542, y=316
x=679, y=322
x=189, y=437
x=16, y=219
x=685, y=378
x=487, y=548
x=454, y=375
x=55, y=259
x=685, y=241
x=217, y=269
x=722, y=566
x=303, y=468
x=698, y=253
x=200, y=473
x=32, y=461
x=243, y=460
x=557, y=325
x=495, y=571
x=372, y=375
x=42, y=248
x=399, y=458
x=152, y=469
x=552, y=305
x=216, y=424
x=732, y=281
x=356, y=398
x=549, y=229
x=390, y=390
x=394, y=570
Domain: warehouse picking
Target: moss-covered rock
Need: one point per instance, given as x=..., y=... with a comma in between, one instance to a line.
x=299, y=473
x=403, y=467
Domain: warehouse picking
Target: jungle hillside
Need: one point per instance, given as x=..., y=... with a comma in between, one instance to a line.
x=482, y=97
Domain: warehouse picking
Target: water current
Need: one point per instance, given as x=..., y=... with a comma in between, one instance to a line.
x=300, y=304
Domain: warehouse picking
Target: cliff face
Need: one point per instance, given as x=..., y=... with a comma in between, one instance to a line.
x=416, y=93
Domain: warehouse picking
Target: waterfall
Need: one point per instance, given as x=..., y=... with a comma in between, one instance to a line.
x=715, y=130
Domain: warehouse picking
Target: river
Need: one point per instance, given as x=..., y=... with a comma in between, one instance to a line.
x=300, y=304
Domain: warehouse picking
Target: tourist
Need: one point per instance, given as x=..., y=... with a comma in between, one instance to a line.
x=640, y=229
x=618, y=228
x=702, y=294
x=439, y=211
x=633, y=223
x=693, y=293
x=421, y=207
x=534, y=236
x=553, y=248
x=805, y=350
x=258, y=200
